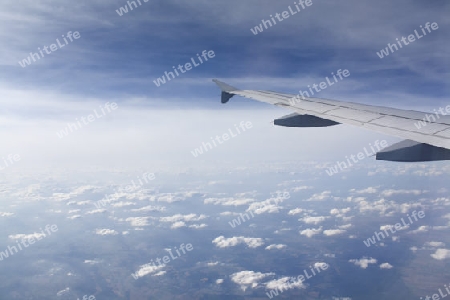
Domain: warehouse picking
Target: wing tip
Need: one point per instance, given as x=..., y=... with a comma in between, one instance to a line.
x=226, y=89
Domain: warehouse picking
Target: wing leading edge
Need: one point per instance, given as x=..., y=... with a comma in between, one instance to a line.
x=427, y=135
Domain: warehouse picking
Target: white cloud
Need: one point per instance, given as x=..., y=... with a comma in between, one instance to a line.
x=386, y=266
x=284, y=283
x=340, y=212
x=391, y=192
x=185, y=218
x=229, y=201
x=149, y=269
x=74, y=217
x=96, y=211
x=138, y=221
x=331, y=232
x=198, y=226
x=219, y=281
x=249, y=278
x=295, y=211
x=346, y=226
x=363, y=262
x=178, y=224
x=264, y=207
x=369, y=190
x=441, y=254
x=435, y=244
x=106, y=232
x=313, y=220
x=122, y=204
x=276, y=246
x=326, y=195
x=26, y=236
x=311, y=232
x=223, y=242
x=420, y=229
x=150, y=208
x=6, y=214
x=321, y=265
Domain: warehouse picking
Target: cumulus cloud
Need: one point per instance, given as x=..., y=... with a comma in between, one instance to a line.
x=330, y=232
x=346, y=226
x=198, y=226
x=321, y=265
x=173, y=197
x=149, y=269
x=74, y=217
x=178, y=224
x=91, y=262
x=20, y=236
x=219, y=281
x=96, y=211
x=386, y=266
x=229, y=201
x=122, y=204
x=420, y=229
x=264, y=207
x=229, y=213
x=369, y=190
x=435, y=244
x=223, y=242
x=363, y=262
x=138, y=221
x=311, y=232
x=276, y=246
x=339, y=212
x=6, y=214
x=295, y=211
x=184, y=218
x=441, y=254
x=313, y=220
x=326, y=195
x=106, y=232
x=248, y=279
x=149, y=208
x=300, y=188
x=391, y=192
x=284, y=283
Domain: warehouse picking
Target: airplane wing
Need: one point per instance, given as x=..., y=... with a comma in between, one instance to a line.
x=427, y=135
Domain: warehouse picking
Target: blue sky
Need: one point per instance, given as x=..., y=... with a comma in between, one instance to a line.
x=118, y=57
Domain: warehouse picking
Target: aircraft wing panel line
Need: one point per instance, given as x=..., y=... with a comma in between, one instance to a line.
x=408, y=124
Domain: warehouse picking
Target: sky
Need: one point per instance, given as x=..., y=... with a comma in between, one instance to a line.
x=117, y=58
